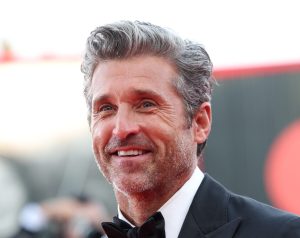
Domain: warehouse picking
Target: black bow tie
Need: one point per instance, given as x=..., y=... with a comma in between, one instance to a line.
x=154, y=227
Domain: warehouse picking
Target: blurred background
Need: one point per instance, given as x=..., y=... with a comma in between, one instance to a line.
x=47, y=171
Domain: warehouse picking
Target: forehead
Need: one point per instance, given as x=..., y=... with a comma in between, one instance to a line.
x=140, y=72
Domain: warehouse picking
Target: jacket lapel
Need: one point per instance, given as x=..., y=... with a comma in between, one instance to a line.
x=208, y=216
x=190, y=228
x=225, y=231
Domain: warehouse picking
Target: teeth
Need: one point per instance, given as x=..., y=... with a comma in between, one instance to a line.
x=129, y=152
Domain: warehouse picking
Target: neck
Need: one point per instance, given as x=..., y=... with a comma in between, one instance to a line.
x=138, y=207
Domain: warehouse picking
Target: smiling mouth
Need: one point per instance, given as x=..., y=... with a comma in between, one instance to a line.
x=124, y=153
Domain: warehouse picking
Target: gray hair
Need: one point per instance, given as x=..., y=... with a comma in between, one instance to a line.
x=127, y=39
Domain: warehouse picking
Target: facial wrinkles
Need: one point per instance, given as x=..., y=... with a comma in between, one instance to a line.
x=98, y=142
x=167, y=114
x=177, y=107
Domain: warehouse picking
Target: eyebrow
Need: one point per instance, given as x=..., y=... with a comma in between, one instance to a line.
x=134, y=92
x=100, y=98
x=146, y=92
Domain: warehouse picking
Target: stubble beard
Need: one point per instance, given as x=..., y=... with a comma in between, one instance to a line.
x=176, y=166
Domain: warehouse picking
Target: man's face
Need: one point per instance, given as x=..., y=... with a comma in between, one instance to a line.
x=141, y=140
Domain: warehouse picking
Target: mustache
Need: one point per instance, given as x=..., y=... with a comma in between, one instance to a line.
x=138, y=140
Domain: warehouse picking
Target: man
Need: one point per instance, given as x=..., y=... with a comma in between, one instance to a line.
x=148, y=93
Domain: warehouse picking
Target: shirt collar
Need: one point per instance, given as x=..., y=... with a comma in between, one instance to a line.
x=176, y=208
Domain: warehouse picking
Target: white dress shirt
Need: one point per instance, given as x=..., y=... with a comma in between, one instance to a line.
x=176, y=208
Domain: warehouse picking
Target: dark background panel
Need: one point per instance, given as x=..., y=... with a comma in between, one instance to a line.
x=248, y=114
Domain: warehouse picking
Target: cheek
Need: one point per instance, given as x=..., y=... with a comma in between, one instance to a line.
x=164, y=127
x=96, y=147
x=167, y=137
x=161, y=134
x=100, y=136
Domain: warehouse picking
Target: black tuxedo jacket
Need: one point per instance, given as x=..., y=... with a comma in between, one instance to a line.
x=217, y=213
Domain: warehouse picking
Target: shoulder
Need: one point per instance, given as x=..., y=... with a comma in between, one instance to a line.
x=214, y=202
x=262, y=217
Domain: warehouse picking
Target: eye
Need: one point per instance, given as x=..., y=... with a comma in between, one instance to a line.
x=105, y=108
x=147, y=104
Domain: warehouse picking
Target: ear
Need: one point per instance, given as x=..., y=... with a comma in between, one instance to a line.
x=202, y=123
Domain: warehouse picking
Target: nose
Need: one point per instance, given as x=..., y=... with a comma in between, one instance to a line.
x=125, y=124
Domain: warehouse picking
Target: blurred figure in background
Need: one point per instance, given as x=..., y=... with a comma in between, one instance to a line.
x=13, y=196
x=57, y=191
x=73, y=217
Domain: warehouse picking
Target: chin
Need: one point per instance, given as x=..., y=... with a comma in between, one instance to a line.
x=129, y=187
